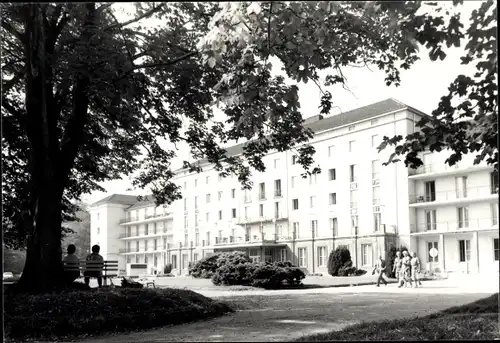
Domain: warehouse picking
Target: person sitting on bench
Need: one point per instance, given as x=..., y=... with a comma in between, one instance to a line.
x=95, y=268
x=71, y=261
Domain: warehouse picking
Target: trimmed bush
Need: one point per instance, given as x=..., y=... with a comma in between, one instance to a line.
x=72, y=315
x=340, y=263
x=168, y=268
x=207, y=267
x=263, y=275
x=277, y=275
x=234, y=274
x=337, y=260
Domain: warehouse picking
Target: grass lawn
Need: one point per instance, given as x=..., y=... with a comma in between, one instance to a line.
x=74, y=314
x=474, y=321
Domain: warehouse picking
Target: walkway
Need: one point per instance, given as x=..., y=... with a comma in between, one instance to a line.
x=285, y=315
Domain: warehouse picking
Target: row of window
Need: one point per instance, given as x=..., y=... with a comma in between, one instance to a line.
x=464, y=251
x=463, y=220
x=322, y=256
x=145, y=259
x=461, y=189
x=332, y=175
x=464, y=247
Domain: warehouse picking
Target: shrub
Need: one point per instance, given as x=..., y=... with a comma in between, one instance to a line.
x=234, y=274
x=168, y=268
x=264, y=275
x=71, y=315
x=337, y=259
x=269, y=276
x=206, y=267
x=346, y=271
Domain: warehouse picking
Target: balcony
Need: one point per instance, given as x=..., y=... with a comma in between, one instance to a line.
x=261, y=238
x=471, y=194
x=145, y=235
x=127, y=220
x=260, y=219
x=437, y=169
x=480, y=224
x=148, y=218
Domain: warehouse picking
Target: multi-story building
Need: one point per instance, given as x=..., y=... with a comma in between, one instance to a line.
x=355, y=202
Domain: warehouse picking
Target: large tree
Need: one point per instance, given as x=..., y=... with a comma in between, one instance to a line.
x=311, y=38
x=466, y=120
x=88, y=98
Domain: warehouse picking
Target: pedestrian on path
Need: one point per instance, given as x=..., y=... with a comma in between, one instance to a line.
x=397, y=268
x=415, y=269
x=407, y=269
x=379, y=269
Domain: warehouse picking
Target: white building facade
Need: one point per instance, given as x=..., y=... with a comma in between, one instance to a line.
x=355, y=202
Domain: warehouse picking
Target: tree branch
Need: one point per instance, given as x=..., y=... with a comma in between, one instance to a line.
x=10, y=83
x=13, y=31
x=164, y=42
x=159, y=64
x=10, y=108
x=131, y=21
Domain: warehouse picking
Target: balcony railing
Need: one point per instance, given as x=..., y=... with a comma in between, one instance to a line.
x=260, y=219
x=147, y=217
x=158, y=215
x=470, y=192
x=452, y=226
x=435, y=168
x=130, y=219
x=247, y=239
x=147, y=234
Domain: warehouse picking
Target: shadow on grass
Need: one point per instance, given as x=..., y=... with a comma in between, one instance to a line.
x=475, y=321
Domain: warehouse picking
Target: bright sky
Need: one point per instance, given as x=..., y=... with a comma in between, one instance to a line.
x=421, y=87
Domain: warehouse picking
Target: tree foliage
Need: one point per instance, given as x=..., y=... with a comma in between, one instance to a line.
x=88, y=98
x=466, y=120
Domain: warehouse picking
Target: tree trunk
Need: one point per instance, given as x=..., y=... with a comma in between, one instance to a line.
x=51, y=160
x=43, y=269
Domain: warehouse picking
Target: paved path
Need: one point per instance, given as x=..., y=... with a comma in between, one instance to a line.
x=285, y=315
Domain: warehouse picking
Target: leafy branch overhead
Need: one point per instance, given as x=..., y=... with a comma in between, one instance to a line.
x=88, y=98
x=466, y=120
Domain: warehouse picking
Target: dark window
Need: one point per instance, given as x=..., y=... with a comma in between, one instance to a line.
x=430, y=191
x=494, y=183
x=332, y=174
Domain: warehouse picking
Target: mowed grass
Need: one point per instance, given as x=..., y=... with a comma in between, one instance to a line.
x=74, y=314
x=475, y=321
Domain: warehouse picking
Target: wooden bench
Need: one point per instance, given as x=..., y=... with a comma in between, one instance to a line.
x=109, y=269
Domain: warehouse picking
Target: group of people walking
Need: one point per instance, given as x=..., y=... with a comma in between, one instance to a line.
x=406, y=269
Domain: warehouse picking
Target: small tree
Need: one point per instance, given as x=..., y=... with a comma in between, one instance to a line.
x=168, y=268
x=337, y=259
